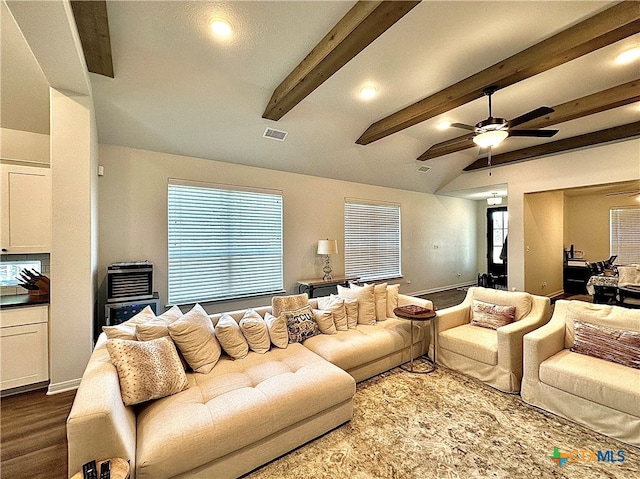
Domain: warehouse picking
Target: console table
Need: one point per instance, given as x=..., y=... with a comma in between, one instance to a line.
x=310, y=285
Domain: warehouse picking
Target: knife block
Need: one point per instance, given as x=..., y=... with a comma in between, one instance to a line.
x=43, y=287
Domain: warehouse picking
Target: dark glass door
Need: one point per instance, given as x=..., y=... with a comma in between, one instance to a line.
x=497, y=228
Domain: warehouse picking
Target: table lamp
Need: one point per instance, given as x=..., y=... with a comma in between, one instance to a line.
x=327, y=247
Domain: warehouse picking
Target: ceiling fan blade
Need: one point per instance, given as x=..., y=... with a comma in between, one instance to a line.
x=452, y=141
x=464, y=127
x=533, y=133
x=532, y=115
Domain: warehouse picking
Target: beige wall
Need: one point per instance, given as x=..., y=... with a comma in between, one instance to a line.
x=24, y=146
x=438, y=233
x=587, y=223
x=543, y=240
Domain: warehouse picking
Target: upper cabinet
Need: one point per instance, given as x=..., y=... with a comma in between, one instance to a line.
x=25, y=204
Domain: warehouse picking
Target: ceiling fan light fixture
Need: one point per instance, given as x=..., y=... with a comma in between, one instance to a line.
x=494, y=200
x=490, y=139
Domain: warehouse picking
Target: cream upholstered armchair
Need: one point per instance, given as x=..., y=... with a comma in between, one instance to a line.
x=482, y=336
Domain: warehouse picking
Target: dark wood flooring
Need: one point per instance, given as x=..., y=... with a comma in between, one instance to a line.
x=447, y=298
x=34, y=436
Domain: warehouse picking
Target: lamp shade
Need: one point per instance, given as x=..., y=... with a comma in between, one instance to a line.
x=327, y=246
x=490, y=139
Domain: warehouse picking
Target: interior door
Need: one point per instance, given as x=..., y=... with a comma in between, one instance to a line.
x=497, y=229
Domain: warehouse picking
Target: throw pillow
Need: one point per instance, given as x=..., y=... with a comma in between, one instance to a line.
x=614, y=345
x=147, y=369
x=158, y=327
x=325, y=321
x=366, y=301
x=288, y=303
x=380, y=299
x=492, y=316
x=127, y=330
x=230, y=337
x=336, y=306
x=255, y=332
x=194, y=335
x=393, y=291
x=278, y=332
x=301, y=324
x=351, y=310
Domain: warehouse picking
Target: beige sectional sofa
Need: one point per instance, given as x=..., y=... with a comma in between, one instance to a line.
x=244, y=412
x=599, y=393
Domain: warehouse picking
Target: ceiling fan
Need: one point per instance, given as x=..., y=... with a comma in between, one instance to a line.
x=492, y=131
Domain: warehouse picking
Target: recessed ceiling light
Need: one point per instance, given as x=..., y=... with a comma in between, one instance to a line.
x=443, y=125
x=628, y=56
x=368, y=92
x=220, y=27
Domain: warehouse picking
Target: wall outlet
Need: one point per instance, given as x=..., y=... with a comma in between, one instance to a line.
x=544, y=284
x=459, y=274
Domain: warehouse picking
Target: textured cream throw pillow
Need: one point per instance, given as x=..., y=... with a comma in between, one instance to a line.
x=255, y=332
x=231, y=338
x=393, y=291
x=336, y=306
x=278, y=332
x=147, y=369
x=194, y=335
x=351, y=310
x=380, y=298
x=366, y=301
x=325, y=321
x=158, y=327
x=288, y=303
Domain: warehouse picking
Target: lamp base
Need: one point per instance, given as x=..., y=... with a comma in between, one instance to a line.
x=327, y=269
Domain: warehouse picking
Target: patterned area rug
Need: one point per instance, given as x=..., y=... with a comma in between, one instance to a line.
x=446, y=425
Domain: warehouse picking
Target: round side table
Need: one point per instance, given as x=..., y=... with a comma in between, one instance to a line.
x=119, y=469
x=417, y=313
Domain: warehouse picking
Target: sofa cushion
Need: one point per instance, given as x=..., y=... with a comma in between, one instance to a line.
x=147, y=369
x=366, y=301
x=237, y=404
x=522, y=301
x=617, y=345
x=230, y=337
x=288, y=303
x=480, y=344
x=194, y=335
x=596, y=380
x=336, y=306
x=492, y=316
x=301, y=324
x=278, y=332
x=366, y=343
x=600, y=314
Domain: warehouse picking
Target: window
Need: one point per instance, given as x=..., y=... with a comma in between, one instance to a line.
x=224, y=242
x=371, y=240
x=625, y=234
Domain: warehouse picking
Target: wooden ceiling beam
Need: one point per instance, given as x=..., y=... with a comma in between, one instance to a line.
x=630, y=130
x=93, y=28
x=618, y=22
x=365, y=22
x=588, y=105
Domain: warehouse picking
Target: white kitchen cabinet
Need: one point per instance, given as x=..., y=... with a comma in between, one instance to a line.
x=25, y=209
x=24, y=346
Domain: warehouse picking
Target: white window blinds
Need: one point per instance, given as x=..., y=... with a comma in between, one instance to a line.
x=625, y=234
x=223, y=243
x=371, y=240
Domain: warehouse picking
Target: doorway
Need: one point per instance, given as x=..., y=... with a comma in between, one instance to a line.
x=497, y=229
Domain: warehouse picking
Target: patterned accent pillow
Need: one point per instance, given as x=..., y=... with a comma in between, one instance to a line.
x=255, y=332
x=336, y=306
x=278, y=332
x=231, y=338
x=194, y=335
x=288, y=303
x=492, y=316
x=614, y=345
x=147, y=369
x=301, y=324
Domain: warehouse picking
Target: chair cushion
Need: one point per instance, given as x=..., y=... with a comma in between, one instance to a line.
x=479, y=344
x=603, y=382
x=522, y=301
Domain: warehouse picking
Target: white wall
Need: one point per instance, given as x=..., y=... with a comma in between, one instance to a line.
x=133, y=220
x=603, y=164
x=24, y=145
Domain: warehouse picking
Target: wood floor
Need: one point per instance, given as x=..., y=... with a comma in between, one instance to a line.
x=33, y=435
x=33, y=429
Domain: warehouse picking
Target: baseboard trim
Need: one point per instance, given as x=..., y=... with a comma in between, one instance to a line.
x=62, y=387
x=443, y=288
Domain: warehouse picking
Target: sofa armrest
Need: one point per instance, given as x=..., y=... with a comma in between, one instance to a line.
x=405, y=300
x=544, y=342
x=99, y=425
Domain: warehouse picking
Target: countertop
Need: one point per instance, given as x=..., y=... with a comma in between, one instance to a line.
x=22, y=300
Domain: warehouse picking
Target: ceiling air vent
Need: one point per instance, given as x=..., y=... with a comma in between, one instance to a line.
x=275, y=134
x=424, y=169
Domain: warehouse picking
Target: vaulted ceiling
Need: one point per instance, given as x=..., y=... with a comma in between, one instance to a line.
x=298, y=67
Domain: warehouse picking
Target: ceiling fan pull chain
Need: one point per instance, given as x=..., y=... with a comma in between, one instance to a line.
x=489, y=159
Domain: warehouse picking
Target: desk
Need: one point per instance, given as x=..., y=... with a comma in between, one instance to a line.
x=310, y=285
x=417, y=313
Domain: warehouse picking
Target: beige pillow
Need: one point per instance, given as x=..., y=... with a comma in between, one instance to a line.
x=158, y=327
x=230, y=337
x=336, y=306
x=380, y=298
x=366, y=301
x=393, y=291
x=194, y=335
x=288, y=303
x=325, y=321
x=255, y=331
x=522, y=301
x=351, y=310
x=614, y=345
x=492, y=316
x=278, y=332
x=147, y=369
x=127, y=330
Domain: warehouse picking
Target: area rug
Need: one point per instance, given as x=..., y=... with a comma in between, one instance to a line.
x=446, y=425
